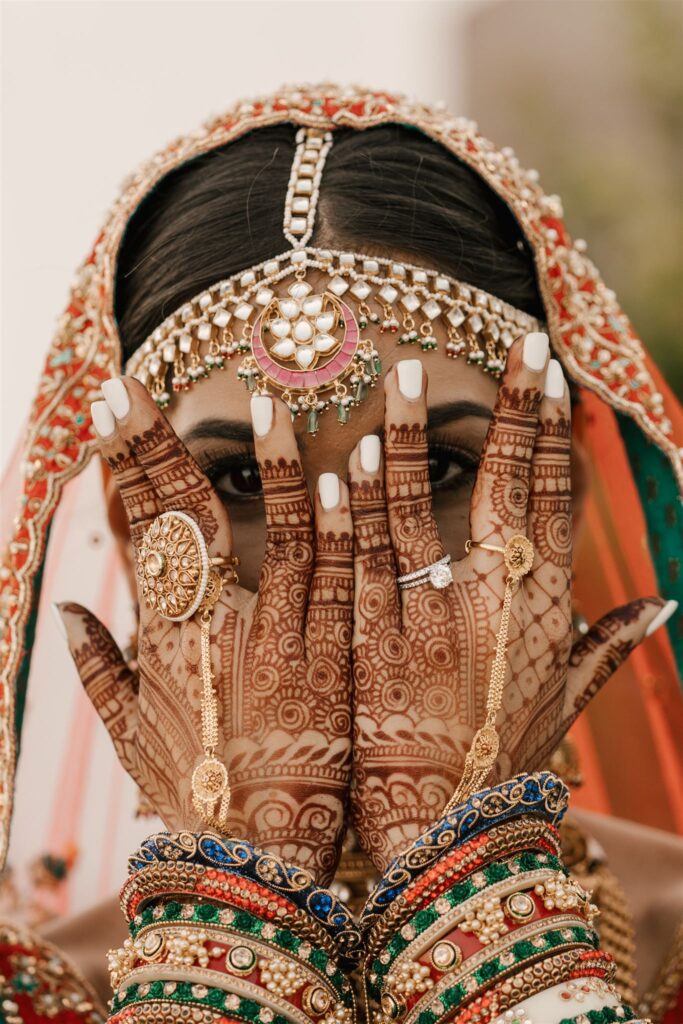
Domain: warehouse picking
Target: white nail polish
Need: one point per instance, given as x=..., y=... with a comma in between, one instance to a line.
x=410, y=378
x=554, y=380
x=328, y=489
x=370, y=451
x=261, y=414
x=662, y=616
x=535, y=350
x=116, y=396
x=103, y=419
x=59, y=620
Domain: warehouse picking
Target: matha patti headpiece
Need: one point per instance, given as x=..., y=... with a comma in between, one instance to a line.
x=589, y=333
x=305, y=341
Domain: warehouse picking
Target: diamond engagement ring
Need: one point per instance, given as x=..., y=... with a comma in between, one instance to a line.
x=438, y=574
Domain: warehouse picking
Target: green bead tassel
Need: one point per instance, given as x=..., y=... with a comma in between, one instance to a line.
x=361, y=391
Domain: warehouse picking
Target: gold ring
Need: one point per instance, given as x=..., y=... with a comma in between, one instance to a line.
x=518, y=553
x=174, y=567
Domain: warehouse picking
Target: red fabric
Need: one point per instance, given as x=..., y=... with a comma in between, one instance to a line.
x=675, y=1014
x=38, y=980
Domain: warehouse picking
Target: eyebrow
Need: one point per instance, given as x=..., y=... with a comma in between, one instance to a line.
x=450, y=412
x=240, y=430
x=219, y=429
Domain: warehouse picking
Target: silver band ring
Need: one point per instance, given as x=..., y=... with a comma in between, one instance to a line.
x=438, y=574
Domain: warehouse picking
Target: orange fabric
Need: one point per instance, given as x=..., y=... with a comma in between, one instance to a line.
x=630, y=739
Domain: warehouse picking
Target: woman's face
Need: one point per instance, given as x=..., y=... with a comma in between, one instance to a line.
x=213, y=419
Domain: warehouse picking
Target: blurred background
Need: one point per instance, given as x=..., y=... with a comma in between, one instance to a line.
x=587, y=91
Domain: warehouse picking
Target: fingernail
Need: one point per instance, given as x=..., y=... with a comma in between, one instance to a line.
x=328, y=489
x=261, y=414
x=554, y=380
x=535, y=350
x=410, y=378
x=370, y=451
x=103, y=420
x=662, y=616
x=114, y=391
x=59, y=620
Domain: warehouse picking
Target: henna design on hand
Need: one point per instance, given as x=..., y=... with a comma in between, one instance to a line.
x=409, y=741
x=281, y=663
x=171, y=471
x=422, y=662
x=409, y=497
x=137, y=494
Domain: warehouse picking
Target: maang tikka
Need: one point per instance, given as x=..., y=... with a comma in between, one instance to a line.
x=307, y=342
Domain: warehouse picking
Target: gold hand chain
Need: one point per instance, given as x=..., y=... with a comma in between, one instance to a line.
x=519, y=556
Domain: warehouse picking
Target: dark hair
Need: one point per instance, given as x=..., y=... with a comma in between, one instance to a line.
x=387, y=191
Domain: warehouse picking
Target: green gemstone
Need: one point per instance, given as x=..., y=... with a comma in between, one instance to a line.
x=312, y=426
x=376, y=365
x=342, y=413
x=251, y=383
x=361, y=391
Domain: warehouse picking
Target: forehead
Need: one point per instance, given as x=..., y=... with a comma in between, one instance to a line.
x=451, y=382
x=264, y=322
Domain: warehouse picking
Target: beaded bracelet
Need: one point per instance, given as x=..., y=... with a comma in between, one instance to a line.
x=465, y=910
x=479, y=914
x=465, y=864
x=220, y=930
x=608, y=1015
x=502, y=1004
x=540, y=794
x=222, y=857
x=249, y=926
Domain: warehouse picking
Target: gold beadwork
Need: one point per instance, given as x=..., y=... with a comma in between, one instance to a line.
x=307, y=354
x=518, y=554
x=502, y=840
x=446, y=955
x=519, y=906
x=178, y=578
x=173, y=566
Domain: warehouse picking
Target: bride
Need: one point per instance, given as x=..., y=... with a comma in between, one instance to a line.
x=343, y=377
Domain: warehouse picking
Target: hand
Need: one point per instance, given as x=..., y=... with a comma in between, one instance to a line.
x=281, y=658
x=422, y=657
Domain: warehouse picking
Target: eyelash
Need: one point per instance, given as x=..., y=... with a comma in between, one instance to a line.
x=220, y=466
x=465, y=459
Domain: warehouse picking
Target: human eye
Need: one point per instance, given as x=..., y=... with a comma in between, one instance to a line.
x=235, y=477
x=450, y=467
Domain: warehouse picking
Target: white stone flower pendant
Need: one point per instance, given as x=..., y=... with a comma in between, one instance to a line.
x=303, y=328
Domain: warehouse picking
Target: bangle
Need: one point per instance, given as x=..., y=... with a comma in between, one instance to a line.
x=223, y=931
x=539, y=795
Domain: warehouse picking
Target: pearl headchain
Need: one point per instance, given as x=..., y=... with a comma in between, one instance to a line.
x=307, y=345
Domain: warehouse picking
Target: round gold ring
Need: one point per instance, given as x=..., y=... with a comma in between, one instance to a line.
x=518, y=553
x=174, y=566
